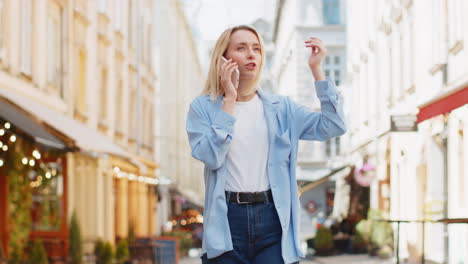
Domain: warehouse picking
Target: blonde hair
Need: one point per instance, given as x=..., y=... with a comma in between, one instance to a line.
x=213, y=84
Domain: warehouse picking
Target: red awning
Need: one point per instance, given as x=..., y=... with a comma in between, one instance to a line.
x=443, y=105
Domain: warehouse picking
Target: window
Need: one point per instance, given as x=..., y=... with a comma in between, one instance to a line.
x=332, y=68
x=118, y=14
x=337, y=77
x=331, y=11
x=328, y=147
x=102, y=6
x=2, y=30
x=55, y=48
x=337, y=60
x=119, y=107
x=26, y=33
x=130, y=29
x=103, y=94
x=455, y=24
x=47, y=193
x=338, y=146
x=80, y=99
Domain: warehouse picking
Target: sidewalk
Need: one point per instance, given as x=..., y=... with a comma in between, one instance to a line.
x=345, y=259
x=351, y=259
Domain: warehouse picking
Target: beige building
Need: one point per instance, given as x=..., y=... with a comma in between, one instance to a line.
x=408, y=59
x=85, y=70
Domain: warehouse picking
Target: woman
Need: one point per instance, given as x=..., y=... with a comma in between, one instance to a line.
x=248, y=141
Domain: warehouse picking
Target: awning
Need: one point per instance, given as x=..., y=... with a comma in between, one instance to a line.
x=323, y=179
x=443, y=104
x=29, y=126
x=84, y=137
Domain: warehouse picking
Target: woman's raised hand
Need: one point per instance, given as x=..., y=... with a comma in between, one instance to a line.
x=227, y=69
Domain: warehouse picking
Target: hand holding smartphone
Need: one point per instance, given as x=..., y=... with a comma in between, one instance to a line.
x=235, y=74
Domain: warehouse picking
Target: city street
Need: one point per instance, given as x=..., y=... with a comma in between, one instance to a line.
x=339, y=125
x=345, y=259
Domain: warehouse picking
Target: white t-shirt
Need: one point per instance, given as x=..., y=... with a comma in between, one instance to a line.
x=246, y=160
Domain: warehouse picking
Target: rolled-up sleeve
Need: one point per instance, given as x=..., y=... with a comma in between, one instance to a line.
x=209, y=138
x=330, y=122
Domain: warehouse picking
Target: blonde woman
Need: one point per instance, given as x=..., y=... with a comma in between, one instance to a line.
x=248, y=141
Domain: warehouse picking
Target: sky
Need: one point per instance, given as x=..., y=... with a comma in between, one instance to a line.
x=209, y=18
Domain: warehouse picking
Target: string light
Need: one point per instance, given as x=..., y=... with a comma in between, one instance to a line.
x=5, y=147
x=1, y=163
x=7, y=125
x=13, y=138
x=25, y=161
x=48, y=175
x=32, y=162
x=36, y=154
x=116, y=169
x=1, y=144
x=2, y=132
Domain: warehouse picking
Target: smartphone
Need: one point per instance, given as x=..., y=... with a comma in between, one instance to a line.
x=235, y=74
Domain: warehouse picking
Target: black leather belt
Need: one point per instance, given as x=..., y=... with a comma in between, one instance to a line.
x=250, y=197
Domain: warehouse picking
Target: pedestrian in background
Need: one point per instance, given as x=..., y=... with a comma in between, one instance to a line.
x=248, y=141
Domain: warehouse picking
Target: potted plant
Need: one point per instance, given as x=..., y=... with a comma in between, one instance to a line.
x=75, y=241
x=122, y=253
x=37, y=253
x=324, y=242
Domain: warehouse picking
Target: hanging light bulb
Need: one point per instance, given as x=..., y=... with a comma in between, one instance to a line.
x=48, y=175
x=1, y=163
x=24, y=161
x=1, y=144
x=36, y=154
x=5, y=147
x=2, y=132
x=32, y=162
x=7, y=125
x=13, y=138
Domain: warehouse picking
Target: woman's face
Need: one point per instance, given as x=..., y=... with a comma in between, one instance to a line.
x=244, y=48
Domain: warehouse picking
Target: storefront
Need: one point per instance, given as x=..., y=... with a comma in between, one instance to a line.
x=444, y=124
x=33, y=185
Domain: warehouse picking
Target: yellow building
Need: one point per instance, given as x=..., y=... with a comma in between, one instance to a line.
x=84, y=70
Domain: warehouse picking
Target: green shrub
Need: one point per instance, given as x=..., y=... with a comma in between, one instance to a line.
x=76, y=252
x=103, y=252
x=324, y=241
x=37, y=254
x=122, y=253
x=107, y=253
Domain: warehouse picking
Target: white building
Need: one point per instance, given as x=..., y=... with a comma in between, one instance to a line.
x=181, y=80
x=296, y=21
x=408, y=58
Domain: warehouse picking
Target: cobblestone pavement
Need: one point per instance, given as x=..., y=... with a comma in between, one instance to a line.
x=344, y=259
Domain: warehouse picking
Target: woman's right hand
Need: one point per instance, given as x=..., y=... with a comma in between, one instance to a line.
x=227, y=69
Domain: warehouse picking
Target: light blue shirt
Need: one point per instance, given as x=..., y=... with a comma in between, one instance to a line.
x=210, y=131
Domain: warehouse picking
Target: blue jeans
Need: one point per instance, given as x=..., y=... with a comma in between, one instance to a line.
x=256, y=235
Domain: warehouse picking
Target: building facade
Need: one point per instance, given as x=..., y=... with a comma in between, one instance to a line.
x=85, y=71
x=181, y=80
x=296, y=21
x=407, y=61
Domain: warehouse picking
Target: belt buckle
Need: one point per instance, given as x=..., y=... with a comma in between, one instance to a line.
x=238, y=201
